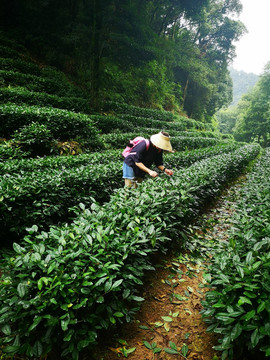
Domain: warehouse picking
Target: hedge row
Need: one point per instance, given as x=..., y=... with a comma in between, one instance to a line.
x=19, y=65
x=238, y=305
x=9, y=151
x=11, y=43
x=44, y=197
x=108, y=124
x=63, y=124
x=62, y=182
x=180, y=122
x=49, y=84
x=187, y=158
x=71, y=282
x=121, y=108
x=20, y=166
x=117, y=140
x=177, y=160
x=182, y=143
x=21, y=96
x=7, y=52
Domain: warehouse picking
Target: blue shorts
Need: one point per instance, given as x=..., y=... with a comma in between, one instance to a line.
x=128, y=172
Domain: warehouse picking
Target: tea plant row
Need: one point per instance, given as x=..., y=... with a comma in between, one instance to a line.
x=17, y=72
x=40, y=191
x=114, y=139
x=238, y=307
x=61, y=287
x=62, y=124
x=110, y=123
x=179, y=143
x=177, y=160
x=120, y=108
x=37, y=127
x=20, y=96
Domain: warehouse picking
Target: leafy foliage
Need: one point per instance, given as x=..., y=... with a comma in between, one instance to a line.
x=249, y=121
x=21, y=95
x=104, y=252
x=238, y=306
x=34, y=138
x=9, y=151
x=163, y=55
x=62, y=124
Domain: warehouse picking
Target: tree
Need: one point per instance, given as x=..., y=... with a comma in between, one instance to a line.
x=253, y=122
x=171, y=54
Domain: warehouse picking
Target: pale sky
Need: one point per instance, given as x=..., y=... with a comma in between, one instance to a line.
x=253, y=48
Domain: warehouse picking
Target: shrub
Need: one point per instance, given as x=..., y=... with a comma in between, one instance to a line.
x=39, y=83
x=63, y=124
x=187, y=158
x=237, y=307
x=59, y=162
x=126, y=123
x=9, y=150
x=6, y=52
x=182, y=143
x=22, y=96
x=45, y=197
x=20, y=65
x=121, y=108
x=34, y=138
x=31, y=82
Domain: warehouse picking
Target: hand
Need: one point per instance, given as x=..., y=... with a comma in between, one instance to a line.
x=153, y=173
x=168, y=172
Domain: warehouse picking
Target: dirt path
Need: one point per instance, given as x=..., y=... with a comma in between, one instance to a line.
x=169, y=325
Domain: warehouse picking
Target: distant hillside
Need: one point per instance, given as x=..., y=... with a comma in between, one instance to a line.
x=242, y=83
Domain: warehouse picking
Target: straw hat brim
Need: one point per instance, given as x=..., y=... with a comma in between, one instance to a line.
x=161, y=141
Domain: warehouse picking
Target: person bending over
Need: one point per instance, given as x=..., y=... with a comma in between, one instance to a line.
x=137, y=164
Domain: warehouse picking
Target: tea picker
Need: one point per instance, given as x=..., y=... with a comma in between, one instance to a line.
x=141, y=153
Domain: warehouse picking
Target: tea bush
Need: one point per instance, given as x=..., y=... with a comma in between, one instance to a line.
x=61, y=287
x=121, y=108
x=58, y=182
x=44, y=198
x=31, y=82
x=117, y=140
x=238, y=307
x=152, y=122
x=19, y=65
x=110, y=123
x=9, y=150
x=20, y=95
x=59, y=162
x=186, y=158
x=7, y=52
x=34, y=138
x=17, y=72
x=63, y=124
x=181, y=143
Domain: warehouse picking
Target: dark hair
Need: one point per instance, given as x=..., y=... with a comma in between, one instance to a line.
x=165, y=133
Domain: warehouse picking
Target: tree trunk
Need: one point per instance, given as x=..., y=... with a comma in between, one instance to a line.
x=185, y=91
x=95, y=55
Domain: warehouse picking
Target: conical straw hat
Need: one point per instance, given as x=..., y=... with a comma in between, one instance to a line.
x=161, y=141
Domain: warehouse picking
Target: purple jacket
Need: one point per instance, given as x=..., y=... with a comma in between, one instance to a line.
x=147, y=157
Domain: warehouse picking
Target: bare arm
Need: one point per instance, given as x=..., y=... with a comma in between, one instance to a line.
x=167, y=171
x=145, y=169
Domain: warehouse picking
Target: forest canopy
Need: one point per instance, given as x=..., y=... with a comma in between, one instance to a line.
x=167, y=54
